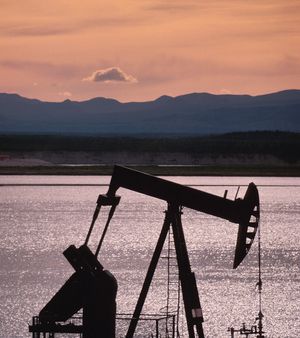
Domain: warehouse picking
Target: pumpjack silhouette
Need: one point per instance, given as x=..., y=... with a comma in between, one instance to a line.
x=93, y=289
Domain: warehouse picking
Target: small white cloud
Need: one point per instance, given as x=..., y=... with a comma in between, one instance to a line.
x=225, y=91
x=113, y=74
x=65, y=94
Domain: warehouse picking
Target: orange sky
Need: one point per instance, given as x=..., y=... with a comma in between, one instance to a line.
x=136, y=50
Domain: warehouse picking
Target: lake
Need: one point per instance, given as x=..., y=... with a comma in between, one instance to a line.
x=42, y=215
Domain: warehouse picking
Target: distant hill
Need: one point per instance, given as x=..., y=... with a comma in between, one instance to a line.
x=191, y=114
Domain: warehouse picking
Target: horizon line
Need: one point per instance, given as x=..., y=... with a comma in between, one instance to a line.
x=151, y=100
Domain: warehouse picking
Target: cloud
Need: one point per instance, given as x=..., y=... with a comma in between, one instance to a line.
x=35, y=31
x=225, y=91
x=65, y=94
x=171, y=7
x=40, y=67
x=55, y=28
x=112, y=74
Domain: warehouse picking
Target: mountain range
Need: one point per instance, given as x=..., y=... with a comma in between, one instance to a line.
x=190, y=114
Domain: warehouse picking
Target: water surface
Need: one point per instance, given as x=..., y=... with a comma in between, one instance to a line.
x=39, y=222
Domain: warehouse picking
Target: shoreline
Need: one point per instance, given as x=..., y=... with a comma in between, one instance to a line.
x=161, y=170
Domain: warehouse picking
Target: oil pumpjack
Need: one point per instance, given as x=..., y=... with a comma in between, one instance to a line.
x=93, y=289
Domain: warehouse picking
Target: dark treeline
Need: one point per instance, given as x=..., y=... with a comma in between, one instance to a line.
x=283, y=145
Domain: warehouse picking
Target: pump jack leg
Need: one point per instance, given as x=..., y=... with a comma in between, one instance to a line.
x=190, y=294
x=149, y=276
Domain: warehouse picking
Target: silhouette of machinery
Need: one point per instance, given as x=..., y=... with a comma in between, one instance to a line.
x=94, y=289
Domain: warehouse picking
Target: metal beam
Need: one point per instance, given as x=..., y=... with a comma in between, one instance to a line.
x=236, y=211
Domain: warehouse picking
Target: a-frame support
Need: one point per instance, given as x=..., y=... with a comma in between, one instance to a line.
x=190, y=295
